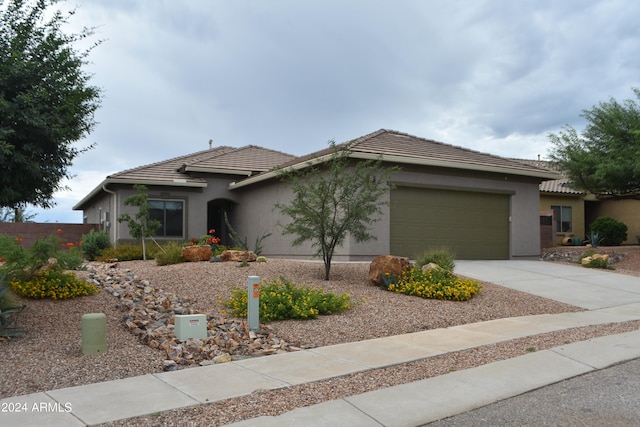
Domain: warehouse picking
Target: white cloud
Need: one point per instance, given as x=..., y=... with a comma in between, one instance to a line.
x=495, y=76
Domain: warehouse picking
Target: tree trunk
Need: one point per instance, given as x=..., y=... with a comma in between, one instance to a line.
x=327, y=268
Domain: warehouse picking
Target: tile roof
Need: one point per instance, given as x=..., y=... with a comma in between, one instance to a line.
x=250, y=158
x=183, y=171
x=246, y=161
x=560, y=186
x=408, y=149
x=252, y=163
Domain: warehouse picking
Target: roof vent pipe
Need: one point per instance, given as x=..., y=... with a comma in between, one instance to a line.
x=210, y=144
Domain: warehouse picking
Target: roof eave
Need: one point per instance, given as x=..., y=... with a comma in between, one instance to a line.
x=275, y=172
x=129, y=181
x=218, y=170
x=544, y=175
x=456, y=165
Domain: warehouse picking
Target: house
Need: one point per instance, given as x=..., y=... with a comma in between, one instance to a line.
x=478, y=205
x=574, y=210
x=563, y=203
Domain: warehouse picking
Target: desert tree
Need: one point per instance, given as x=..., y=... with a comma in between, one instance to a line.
x=333, y=199
x=603, y=159
x=141, y=225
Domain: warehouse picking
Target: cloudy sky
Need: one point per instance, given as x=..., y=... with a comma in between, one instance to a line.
x=494, y=76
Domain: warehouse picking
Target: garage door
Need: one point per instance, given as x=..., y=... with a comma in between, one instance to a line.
x=473, y=225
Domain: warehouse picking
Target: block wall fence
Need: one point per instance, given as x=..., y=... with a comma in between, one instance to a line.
x=29, y=232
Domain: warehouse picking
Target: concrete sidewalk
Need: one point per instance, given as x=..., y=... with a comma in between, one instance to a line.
x=406, y=405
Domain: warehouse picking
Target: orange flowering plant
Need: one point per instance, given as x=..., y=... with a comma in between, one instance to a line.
x=209, y=239
x=24, y=266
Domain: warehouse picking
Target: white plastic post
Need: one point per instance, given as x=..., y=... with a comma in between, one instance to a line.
x=253, y=304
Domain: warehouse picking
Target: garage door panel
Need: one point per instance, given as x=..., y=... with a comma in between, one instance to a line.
x=473, y=225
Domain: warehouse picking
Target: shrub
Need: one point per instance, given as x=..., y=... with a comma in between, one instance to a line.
x=7, y=298
x=70, y=259
x=123, y=252
x=281, y=299
x=435, y=284
x=9, y=310
x=170, y=253
x=22, y=263
x=218, y=250
x=209, y=239
x=595, y=262
x=53, y=284
x=598, y=263
x=443, y=257
x=13, y=256
x=610, y=231
x=94, y=243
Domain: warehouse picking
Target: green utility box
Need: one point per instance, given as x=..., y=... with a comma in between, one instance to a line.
x=94, y=333
x=190, y=326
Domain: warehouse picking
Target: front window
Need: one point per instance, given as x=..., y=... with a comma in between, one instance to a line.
x=170, y=213
x=562, y=216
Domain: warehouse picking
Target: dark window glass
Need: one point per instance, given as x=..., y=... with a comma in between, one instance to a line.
x=170, y=213
x=562, y=215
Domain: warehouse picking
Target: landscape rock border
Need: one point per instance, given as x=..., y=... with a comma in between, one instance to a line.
x=149, y=314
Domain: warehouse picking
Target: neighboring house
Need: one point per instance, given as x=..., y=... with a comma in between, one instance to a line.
x=478, y=205
x=564, y=203
x=624, y=210
x=574, y=210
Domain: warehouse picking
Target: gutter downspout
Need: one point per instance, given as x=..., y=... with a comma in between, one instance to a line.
x=115, y=213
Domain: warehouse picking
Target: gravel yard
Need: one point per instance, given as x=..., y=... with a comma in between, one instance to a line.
x=49, y=355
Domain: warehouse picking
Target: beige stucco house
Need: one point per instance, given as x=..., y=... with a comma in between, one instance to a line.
x=574, y=210
x=478, y=205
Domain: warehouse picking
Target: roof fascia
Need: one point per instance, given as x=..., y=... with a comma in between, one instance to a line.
x=128, y=181
x=456, y=165
x=218, y=171
x=273, y=173
x=544, y=175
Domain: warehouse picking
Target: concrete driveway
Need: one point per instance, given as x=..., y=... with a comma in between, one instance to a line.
x=588, y=288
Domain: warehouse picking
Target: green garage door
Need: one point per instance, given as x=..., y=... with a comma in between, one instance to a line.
x=473, y=225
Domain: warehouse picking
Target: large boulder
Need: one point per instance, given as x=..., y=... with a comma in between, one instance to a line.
x=197, y=253
x=51, y=264
x=587, y=260
x=386, y=264
x=238, y=256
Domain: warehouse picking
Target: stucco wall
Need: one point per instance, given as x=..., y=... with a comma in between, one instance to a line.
x=108, y=207
x=577, y=214
x=256, y=214
x=627, y=211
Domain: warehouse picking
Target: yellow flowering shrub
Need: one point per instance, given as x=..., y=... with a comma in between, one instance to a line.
x=53, y=284
x=281, y=299
x=435, y=284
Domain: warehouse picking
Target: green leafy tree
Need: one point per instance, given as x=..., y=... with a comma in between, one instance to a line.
x=333, y=200
x=603, y=159
x=16, y=214
x=46, y=103
x=141, y=225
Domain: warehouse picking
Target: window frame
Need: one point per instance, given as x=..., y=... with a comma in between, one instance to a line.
x=560, y=213
x=163, y=228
